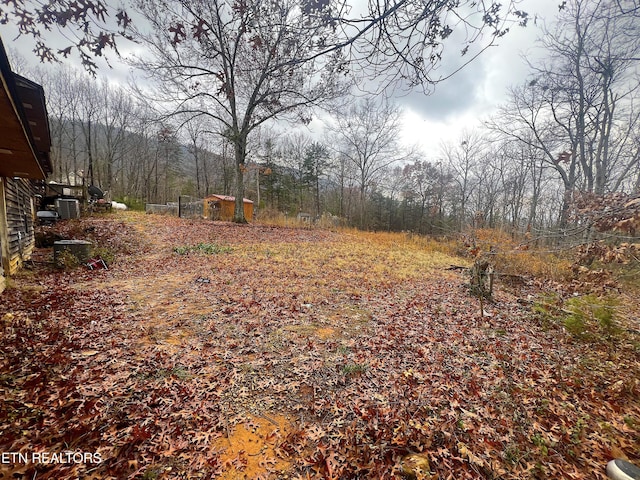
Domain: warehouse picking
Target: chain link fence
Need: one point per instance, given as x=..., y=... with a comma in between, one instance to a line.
x=190, y=207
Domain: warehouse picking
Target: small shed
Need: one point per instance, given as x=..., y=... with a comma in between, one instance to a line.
x=304, y=217
x=221, y=207
x=25, y=143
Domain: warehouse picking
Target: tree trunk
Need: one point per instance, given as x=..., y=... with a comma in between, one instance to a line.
x=317, y=193
x=89, y=152
x=240, y=144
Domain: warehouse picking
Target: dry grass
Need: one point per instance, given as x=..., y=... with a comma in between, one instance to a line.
x=256, y=359
x=376, y=257
x=415, y=253
x=514, y=257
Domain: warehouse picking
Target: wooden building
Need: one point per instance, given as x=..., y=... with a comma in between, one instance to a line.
x=222, y=207
x=25, y=143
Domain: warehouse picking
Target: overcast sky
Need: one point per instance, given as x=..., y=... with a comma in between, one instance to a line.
x=463, y=101
x=475, y=92
x=456, y=105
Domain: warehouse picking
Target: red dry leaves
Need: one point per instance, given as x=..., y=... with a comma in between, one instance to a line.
x=361, y=352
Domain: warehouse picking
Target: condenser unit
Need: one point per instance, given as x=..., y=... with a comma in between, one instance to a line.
x=68, y=208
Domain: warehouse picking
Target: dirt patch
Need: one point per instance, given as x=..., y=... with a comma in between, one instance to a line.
x=325, y=332
x=252, y=448
x=321, y=332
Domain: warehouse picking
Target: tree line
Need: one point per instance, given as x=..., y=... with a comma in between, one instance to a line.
x=244, y=63
x=572, y=126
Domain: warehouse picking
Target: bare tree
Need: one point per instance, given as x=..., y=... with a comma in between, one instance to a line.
x=240, y=66
x=401, y=39
x=199, y=130
x=489, y=181
x=523, y=170
x=422, y=180
x=367, y=135
x=113, y=132
x=579, y=108
x=90, y=111
x=464, y=160
x=62, y=106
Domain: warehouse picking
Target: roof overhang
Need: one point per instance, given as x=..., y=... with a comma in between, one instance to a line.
x=25, y=138
x=227, y=198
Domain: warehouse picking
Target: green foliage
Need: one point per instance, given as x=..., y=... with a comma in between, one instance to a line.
x=547, y=305
x=104, y=253
x=132, y=203
x=539, y=471
x=578, y=430
x=512, y=454
x=353, y=369
x=543, y=406
x=591, y=316
x=206, y=248
x=180, y=372
x=587, y=317
x=343, y=350
x=66, y=260
x=151, y=474
x=632, y=422
x=539, y=441
x=182, y=250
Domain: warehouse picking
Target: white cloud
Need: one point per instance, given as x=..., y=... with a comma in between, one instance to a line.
x=471, y=95
x=457, y=104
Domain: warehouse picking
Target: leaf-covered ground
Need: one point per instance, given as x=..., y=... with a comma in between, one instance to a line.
x=213, y=350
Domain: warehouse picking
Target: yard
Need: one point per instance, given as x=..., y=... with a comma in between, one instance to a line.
x=215, y=350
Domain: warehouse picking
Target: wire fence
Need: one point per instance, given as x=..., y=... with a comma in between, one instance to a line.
x=190, y=207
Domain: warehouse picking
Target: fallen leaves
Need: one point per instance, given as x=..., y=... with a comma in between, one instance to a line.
x=252, y=448
x=371, y=352
x=416, y=466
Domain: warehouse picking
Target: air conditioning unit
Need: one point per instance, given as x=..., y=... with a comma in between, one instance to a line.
x=68, y=208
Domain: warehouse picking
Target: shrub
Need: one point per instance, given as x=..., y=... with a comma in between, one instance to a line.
x=591, y=316
x=104, y=253
x=206, y=248
x=66, y=260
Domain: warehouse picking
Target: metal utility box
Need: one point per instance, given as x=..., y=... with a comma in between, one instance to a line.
x=47, y=217
x=68, y=208
x=81, y=249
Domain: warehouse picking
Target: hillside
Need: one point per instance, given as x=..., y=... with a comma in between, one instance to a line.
x=215, y=350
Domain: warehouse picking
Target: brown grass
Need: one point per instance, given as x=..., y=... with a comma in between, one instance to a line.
x=298, y=334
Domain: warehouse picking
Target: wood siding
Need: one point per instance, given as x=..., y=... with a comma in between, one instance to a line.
x=17, y=217
x=222, y=207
